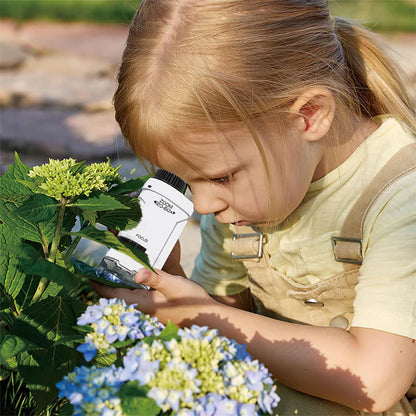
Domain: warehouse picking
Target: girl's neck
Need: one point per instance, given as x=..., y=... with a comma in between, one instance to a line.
x=335, y=154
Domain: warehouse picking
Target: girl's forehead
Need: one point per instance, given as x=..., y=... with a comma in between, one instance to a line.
x=206, y=153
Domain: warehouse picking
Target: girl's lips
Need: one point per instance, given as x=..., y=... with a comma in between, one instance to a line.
x=241, y=223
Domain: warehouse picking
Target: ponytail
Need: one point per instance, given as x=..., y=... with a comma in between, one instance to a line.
x=378, y=85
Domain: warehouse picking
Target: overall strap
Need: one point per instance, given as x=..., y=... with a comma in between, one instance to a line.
x=347, y=247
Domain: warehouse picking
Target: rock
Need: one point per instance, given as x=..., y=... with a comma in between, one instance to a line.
x=60, y=133
x=12, y=55
x=62, y=80
x=104, y=42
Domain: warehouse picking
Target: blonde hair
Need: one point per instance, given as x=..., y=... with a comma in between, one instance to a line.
x=192, y=64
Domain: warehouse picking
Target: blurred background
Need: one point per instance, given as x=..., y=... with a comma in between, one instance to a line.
x=58, y=66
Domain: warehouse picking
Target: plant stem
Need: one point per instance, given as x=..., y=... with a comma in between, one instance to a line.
x=44, y=244
x=43, y=284
x=57, y=237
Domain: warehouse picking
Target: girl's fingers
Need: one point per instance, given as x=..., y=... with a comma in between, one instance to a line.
x=161, y=281
x=171, y=287
x=145, y=298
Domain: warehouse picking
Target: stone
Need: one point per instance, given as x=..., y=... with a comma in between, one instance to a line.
x=12, y=55
x=60, y=133
x=62, y=80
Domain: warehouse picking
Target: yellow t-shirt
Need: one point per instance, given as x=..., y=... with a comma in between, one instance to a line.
x=300, y=247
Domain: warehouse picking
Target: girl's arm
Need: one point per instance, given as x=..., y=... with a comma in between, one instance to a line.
x=364, y=368
x=242, y=300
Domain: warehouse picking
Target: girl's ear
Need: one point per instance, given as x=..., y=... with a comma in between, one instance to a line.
x=313, y=112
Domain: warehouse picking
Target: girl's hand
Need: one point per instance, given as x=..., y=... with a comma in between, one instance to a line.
x=175, y=298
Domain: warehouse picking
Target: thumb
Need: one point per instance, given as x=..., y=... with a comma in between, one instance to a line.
x=161, y=281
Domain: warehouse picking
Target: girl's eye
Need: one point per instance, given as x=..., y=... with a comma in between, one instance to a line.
x=222, y=181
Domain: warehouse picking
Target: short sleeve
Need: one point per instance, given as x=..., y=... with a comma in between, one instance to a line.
x=386, y=292
x=214, y=268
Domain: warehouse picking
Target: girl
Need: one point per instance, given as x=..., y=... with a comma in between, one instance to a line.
x=296, y=137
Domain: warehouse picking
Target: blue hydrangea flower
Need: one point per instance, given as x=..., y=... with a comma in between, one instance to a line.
x=200, y=373
x=92, y=390
x=138, y=365
x=268, y=399
x=113, y=320
x=88, y=349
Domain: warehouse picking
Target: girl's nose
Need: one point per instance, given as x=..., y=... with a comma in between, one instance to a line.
x=206, y=201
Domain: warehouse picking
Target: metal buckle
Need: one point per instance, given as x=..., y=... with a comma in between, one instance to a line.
x=249, y=256
x=335, y=240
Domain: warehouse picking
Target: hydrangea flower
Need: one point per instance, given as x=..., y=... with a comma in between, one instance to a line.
x=184, y=374
x=196, y=373
x=63, y=178
x=112, y=320
x=92, y=390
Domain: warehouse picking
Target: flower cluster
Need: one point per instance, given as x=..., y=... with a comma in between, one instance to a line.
x=112, y=320
x=188, y=372
x=67, y=178
x=92, y=390
x=185, y=373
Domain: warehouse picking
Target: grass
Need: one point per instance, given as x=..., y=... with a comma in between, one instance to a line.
x=99, y=11
x=16, y=400
x=378, y=15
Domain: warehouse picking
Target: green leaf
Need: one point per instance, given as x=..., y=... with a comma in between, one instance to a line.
x=41, y=372
x=70, y=219
x=47, y=320
x=32, y=262
x=20, y=228
x=52, y=271
x=125, y=343
x=101, y=202
x=25, y=228
x=37, y=208
x=43, y=323
x=5, y=299
x=122, y=219
x=134, y=399
x=129, y=186
x=66, y=410
x=168, y=333
x=12, y=277
x=70, y=340
x=54, y=289
x=13, y=191
x=83, y=328
x=78, y=168
x=4, y=374
x=18, y=170
x=102, y=359
x=3, y=333
x=7, y=317
x=34, y=184
x=90, y=216
x=12, y=345
x=25, y=296
x=110, y=240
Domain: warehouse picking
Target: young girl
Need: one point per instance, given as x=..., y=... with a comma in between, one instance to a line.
x=296, y=137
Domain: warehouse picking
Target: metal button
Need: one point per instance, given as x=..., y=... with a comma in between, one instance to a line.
x=313, y=302
x=339, y=322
